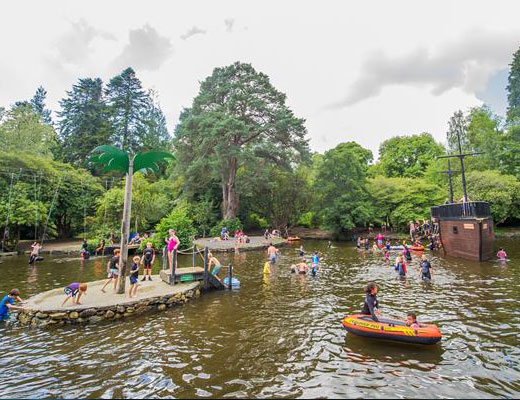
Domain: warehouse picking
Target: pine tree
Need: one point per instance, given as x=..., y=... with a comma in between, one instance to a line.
x=513, y=91
x=38, y=105
x=127, y=103
x=84, y=123
x=153, y=131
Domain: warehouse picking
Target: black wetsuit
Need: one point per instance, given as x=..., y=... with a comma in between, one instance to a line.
x=425, y=269
x=369, y=308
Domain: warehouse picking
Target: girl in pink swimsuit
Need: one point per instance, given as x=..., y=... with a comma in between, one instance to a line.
x=173, y=244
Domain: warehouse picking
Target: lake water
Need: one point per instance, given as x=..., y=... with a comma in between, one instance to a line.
x=279, y=335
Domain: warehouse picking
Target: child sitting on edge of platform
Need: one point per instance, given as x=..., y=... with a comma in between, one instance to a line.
x=134, y=277
x=75, y=289
x=412, y=320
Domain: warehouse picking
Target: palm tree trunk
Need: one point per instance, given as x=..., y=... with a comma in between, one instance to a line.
x=125, y=227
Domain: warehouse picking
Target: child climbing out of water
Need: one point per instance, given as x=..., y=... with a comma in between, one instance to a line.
x=112, y=270
x=148, y=260
x=411, y=320
x=134, y=277
x=7, y=304
x=502, y=254
x=400, y=266
x=371, y=305
x=74, y=290
x=213, y=262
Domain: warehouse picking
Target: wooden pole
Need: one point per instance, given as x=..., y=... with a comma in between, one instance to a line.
x=230, y=276
x=206, y=272
x=125, y=227
x=164, y=257
x=174, y=265
x=194, y=260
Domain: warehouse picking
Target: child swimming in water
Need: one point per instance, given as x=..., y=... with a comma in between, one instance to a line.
x=502, y=254
x=302, y=266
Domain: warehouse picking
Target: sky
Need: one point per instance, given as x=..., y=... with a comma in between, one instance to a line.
x=355, y=71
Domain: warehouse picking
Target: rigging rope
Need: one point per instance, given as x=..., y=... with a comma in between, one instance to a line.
x=6, y=229
x=50, y=209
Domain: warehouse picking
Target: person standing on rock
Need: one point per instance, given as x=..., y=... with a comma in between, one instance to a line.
x=173, y=243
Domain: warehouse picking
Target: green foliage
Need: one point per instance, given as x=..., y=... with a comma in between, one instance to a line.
x=231, y=224
x=407, y=156
x=180, y=221
x=83, y=123
x=22, y=131
x=151, y=201
x=37, y=181
x=513, y=90
x=204, y=215
x=111, y=158
x=127, y=103
x=342, y=198
x=306, y=220
x=38, y=105
x=399, y=200
x=238, y=118
x=502, y=192
x=255, y=221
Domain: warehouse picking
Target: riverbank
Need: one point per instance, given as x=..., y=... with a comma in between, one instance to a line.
x=256, y=243
x=45, y=308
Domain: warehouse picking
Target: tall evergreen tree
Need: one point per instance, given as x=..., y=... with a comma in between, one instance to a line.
x=457, y=134
x=84, y=123
x=38, y=105
x=127, y=103
x=238, y=118
x=152, y=131
x=513, y=91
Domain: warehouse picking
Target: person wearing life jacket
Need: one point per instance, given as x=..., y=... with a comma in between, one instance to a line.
x=371, y=305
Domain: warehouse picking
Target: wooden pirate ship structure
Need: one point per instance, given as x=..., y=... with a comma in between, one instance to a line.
x=466, y=228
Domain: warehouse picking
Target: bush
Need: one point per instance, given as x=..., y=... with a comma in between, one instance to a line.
x=179, y=221
x=306, y=220
x=255, y=221
x=231, y=224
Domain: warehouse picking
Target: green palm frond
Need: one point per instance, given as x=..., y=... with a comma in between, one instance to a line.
x=111, y=157
x=150, y=160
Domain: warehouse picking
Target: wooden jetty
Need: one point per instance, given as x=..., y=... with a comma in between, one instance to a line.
x=174, y=275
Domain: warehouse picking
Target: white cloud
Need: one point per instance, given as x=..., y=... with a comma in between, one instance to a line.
x=229, y=23
x=465, y=63
x=192, y=32
x=146, y=50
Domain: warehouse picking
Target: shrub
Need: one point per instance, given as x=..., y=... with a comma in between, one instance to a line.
x=231, y=224
x=179, y=221
x=306, y=220
x=255, y=221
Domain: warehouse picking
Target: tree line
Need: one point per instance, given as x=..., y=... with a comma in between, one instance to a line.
x=242, y=156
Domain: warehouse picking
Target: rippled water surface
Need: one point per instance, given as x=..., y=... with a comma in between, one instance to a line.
x=279, y=335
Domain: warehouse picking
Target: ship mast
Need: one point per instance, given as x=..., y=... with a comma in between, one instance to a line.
x=461, y=156
x=450, y=173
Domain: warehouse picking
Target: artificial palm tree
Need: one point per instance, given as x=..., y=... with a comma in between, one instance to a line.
x=115, y=159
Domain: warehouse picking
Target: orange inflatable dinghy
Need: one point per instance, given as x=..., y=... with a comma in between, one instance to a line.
x=363, y=325
x=293, y=238
x=416, y=248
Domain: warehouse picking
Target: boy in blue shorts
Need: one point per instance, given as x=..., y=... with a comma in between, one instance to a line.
x=7, y=304
x=134, y=277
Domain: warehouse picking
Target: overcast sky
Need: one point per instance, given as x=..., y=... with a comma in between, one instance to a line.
x=362, y=71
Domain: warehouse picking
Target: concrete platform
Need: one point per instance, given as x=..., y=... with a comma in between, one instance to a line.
x=256, y=243
x=45, y=308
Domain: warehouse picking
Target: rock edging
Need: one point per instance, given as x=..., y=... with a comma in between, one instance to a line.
x=89, y=315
